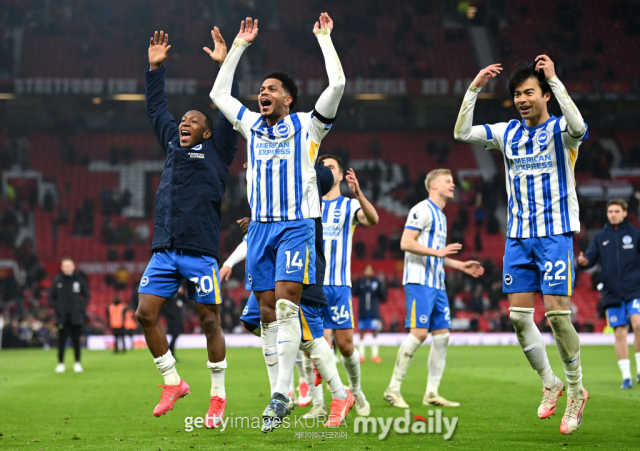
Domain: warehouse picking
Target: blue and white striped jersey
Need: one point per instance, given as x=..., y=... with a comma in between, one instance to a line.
x=338, y=224
x=281, y=178
x=429, y=219
x=539, y=172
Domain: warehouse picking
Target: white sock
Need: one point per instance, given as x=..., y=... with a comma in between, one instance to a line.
x=270, y=351
x=437, y=362
x=362, y=348
x=374, y=347
x=638, y=363
x=323, y=358
x=217, y=378
x=625, y=368
x=408, y=348
x=352, y=367
x=316, y=392
x=289, y=331
x=532, y=344
x=300, y=367
x=167, y=366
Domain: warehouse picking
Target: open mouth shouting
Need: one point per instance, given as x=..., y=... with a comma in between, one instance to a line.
x=185, y=136
x=265, y=104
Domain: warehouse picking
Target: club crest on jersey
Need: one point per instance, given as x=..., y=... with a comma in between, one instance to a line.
x=283, y=129
x=198, y=147
x=542, y=138
x=144, y=281
x=627, y=242
x=423, y=319
x=508, y=279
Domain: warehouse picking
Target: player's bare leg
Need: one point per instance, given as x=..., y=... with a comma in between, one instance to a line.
x=174, y=388
x=635, y=322
x=622, y=353
x=532, y=343
x=405, y=354
x=351, y=362
x=437, y=362
x=568, y=343
x=216, y=349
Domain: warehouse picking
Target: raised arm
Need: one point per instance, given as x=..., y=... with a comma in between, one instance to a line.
x=156, y=99
x=327, y=105
x=224, y=136
x=367, y=215
x=221, y=92
x=464, y=130
x=575, y=124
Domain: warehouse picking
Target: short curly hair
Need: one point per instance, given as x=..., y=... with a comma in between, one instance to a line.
x=288, y=83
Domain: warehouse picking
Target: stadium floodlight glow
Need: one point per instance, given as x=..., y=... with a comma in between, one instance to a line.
x=7, y=96
x=370, y=96
x=130, y=97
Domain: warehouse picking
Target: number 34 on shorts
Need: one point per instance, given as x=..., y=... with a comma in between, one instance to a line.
x=539, y=264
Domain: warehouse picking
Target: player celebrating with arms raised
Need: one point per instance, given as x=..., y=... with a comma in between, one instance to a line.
x=281, y=151
x=186, y=229
x=539, y=153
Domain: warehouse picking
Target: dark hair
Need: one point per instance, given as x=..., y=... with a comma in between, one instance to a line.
x=618, y=201
x=338, y=160
x=208, y=122
x=523, y=70
x=288, y=83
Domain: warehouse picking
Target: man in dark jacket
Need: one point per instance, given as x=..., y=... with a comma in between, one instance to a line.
x=186, y=228
x=69, y=297
x=371, y=292
x=617, y=246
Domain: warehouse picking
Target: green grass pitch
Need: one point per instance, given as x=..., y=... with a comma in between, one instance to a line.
x=109, y=405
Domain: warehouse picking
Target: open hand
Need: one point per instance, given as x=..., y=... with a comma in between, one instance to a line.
x=324, y=23
x=473, y=268
x=248, y=30
x=158, y=49
x=352, y=181
x=219, y=53
x=450, y=249
x=487, y=74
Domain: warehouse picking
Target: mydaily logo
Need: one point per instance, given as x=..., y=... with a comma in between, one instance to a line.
x=435, y=423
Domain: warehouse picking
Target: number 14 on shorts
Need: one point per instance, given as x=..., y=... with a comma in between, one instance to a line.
x=296, y=261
